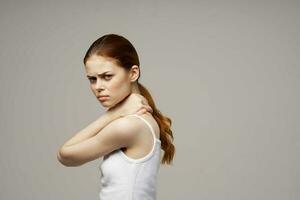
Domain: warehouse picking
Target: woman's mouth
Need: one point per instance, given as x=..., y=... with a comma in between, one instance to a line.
x=103, y=98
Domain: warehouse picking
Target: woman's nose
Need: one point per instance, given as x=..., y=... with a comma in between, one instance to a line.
x=99, y=85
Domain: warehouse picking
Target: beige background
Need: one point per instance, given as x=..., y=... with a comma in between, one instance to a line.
x=225, y=72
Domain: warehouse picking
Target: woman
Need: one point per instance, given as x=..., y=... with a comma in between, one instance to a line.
x=130, y=134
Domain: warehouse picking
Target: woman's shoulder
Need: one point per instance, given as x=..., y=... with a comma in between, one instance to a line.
x=135, y=117
x=133, y=120
x=140, y=124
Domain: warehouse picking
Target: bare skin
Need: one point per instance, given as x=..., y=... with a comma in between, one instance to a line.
x=144, y=142
x=114, y=129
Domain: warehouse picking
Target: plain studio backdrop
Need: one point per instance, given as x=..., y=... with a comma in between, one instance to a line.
x=226, y=73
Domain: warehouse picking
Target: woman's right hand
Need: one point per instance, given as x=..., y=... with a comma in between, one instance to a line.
x=132, y=104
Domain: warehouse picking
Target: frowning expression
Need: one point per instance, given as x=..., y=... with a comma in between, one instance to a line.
x=107, y=78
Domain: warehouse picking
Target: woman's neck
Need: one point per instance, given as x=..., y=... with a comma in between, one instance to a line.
x=135, y=89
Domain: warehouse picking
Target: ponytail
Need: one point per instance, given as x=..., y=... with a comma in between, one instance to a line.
x=164, y=122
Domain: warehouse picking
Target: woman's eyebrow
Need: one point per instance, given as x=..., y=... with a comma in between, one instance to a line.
x=98, y=74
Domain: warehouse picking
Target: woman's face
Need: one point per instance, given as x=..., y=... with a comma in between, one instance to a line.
x=107, y=78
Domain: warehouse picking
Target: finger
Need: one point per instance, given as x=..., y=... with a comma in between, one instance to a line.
x=149, y=109
x=141, y=111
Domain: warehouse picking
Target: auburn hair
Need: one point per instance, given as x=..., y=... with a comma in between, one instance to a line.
x=118, y=47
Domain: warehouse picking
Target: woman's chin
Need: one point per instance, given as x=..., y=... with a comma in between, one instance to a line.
x=106, y=105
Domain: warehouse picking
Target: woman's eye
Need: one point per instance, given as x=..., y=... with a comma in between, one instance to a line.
x=108, y=76
x=91, y=79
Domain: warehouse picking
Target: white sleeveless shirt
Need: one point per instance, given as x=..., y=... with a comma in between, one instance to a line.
x=125, y=178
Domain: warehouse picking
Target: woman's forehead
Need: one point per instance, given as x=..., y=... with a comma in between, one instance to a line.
x=99, y=65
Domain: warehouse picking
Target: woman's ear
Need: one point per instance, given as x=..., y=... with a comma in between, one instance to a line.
x=134, y=73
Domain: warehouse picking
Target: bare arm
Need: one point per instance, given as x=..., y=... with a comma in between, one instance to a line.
x=105, y=134
x=93, y=128
x=119, y=133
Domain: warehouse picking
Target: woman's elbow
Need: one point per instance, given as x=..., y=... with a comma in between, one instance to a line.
x=65, y=160
x=61, y=158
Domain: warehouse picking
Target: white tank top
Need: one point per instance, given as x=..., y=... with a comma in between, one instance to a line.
x=125, y=178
